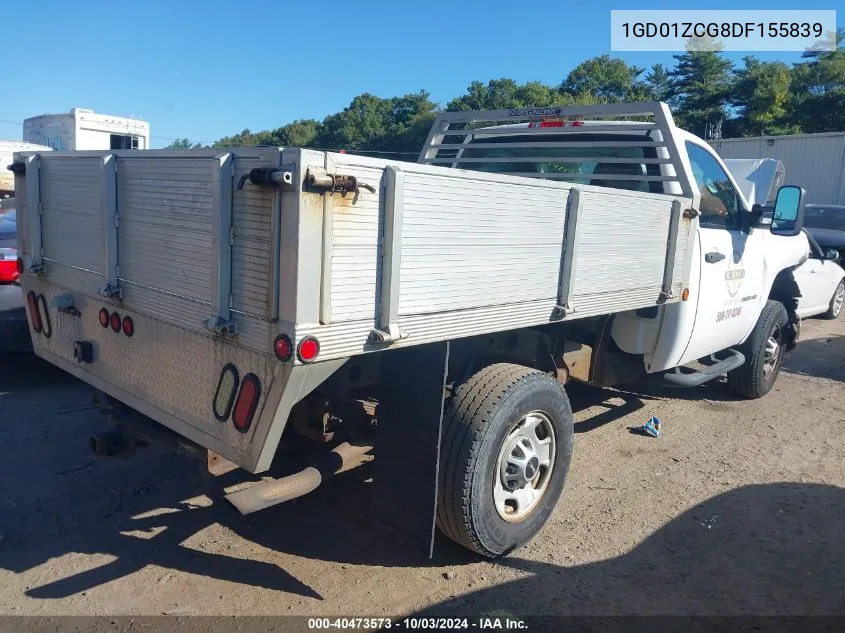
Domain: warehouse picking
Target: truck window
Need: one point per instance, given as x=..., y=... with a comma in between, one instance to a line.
x=586, y=172
x=719, y=204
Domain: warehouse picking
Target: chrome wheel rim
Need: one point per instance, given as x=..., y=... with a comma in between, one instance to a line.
x=524, y=468
x=772, y=357
x=838, y=299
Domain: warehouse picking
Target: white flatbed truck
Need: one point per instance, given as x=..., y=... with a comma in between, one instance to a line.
x=431, y=310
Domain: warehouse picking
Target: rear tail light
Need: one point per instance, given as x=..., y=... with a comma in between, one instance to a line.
x=128, y=326
x=246, y=403
x=44, y=316
x=34, y=316
x=224, y=396
x=283, y=347
x=104, y=317
x=308, y=349
x=115, y=321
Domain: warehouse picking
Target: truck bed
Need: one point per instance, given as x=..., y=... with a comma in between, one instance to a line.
x=168, y=238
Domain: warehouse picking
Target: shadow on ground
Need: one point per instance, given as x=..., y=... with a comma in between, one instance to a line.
x=14, y=332
x=757, y=549
x=815, y=358
x=774, y=549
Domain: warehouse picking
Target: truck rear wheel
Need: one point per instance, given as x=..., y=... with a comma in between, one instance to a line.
x=764, y=352
x=507, y=445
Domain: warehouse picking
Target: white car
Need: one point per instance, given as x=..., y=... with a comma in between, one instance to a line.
x=822, y=283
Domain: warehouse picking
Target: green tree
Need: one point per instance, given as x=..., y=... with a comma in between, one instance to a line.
x=244, y=138
x=395, y=125
x=702, y=82
x=607, y=79
x=183, y=143
x=300, y=133
x=761, y=95
x=817, y=100
x=658, y=83
x=497, y=94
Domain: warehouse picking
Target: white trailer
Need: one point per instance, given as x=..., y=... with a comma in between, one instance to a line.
x=83, y=129
x=233, y=296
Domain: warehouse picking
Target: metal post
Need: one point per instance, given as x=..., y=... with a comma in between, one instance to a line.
x=108, y=208
x=33, y=202
x=221, y=321
x=671, y=251
x=568, y=261
x=387, y=329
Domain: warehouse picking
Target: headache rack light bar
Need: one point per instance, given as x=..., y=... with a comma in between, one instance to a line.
x=454, y=132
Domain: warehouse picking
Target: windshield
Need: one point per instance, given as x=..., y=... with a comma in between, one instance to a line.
x=587, y=172
x=825, y=218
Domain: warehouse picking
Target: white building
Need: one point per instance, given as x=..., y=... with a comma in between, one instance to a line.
x=85, y=129
x=7, y=151
x=813, y=161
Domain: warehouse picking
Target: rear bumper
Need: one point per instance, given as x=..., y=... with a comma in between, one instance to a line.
x=175, y=424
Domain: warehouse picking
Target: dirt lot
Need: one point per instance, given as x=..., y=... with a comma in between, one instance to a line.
x=738, y=508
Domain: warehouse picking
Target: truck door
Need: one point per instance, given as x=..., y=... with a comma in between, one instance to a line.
x=732, y=263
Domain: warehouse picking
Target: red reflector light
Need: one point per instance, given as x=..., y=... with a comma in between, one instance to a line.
x=577, y=123
x=44, y=316
x=308, y=349
x=128, y=326
x=34, y=316
x=104, y=317
x=552, y=123
x=115, y=321
x=283, y=347
x=224, y=395
x=246, y=403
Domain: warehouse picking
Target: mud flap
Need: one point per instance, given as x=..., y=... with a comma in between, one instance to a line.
x=410, y=415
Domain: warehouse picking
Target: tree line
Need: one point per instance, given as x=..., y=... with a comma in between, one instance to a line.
x=705, y=90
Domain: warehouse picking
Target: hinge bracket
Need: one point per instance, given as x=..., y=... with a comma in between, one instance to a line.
x=391, y=335
x=562, y=311
x=112, y=291
x=219, y=325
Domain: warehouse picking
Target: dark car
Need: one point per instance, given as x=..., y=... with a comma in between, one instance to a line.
x=826, y=223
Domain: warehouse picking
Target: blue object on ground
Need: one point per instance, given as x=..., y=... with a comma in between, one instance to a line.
x=650, y=428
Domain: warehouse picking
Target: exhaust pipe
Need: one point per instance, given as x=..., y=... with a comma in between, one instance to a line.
x=342, y=457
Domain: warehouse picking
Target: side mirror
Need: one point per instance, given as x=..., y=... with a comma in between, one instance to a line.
x=788, y=216
x=831, y=255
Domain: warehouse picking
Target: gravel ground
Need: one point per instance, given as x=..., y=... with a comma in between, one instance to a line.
x=737, y=508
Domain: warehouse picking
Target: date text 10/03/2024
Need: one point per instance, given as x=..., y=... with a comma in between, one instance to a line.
x=419, y=624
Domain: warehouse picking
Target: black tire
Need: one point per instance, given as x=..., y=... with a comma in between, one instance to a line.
x=476, y=423
x=752, y=380
x=832, y=310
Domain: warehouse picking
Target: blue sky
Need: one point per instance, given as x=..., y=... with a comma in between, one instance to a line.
x=207, y=69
